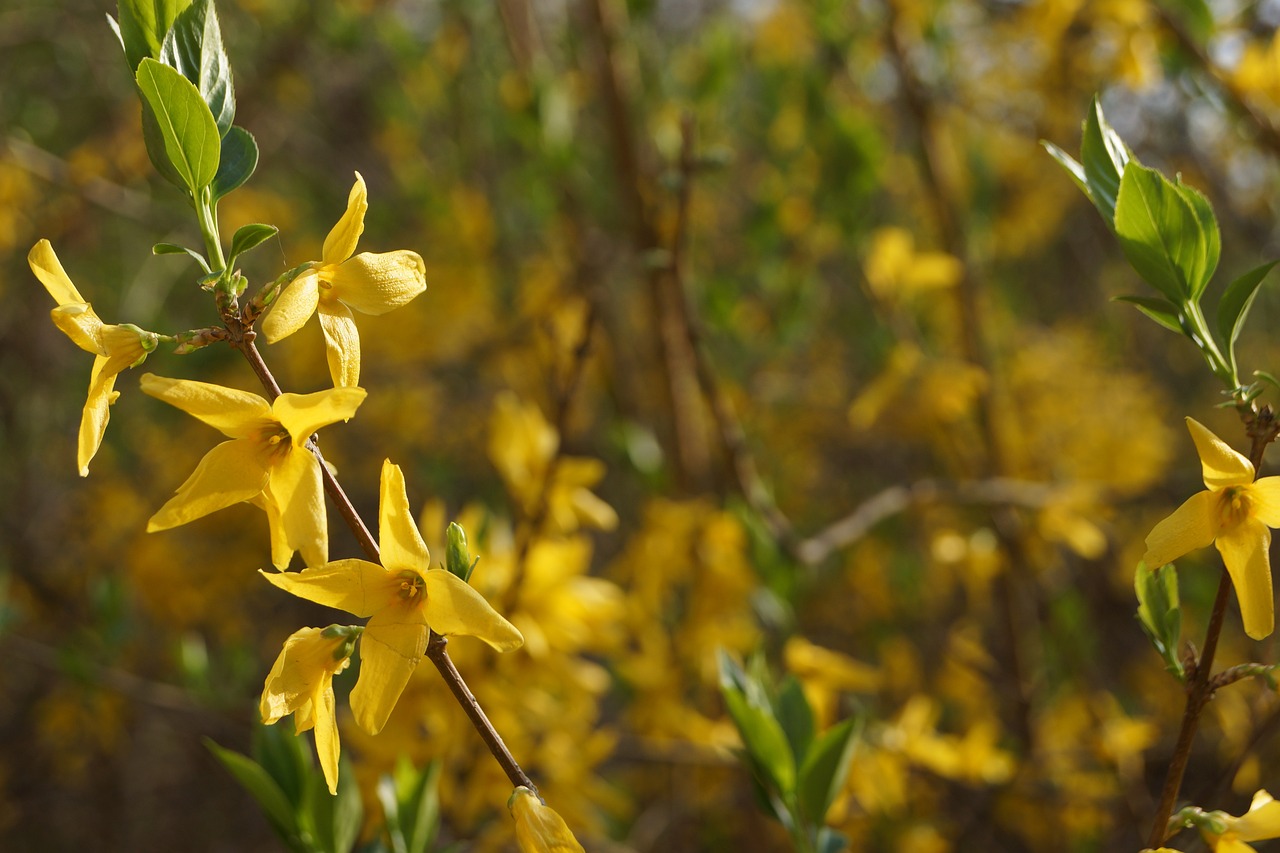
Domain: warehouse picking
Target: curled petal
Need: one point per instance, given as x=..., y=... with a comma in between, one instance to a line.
x=296, y=491
x=292, y=308
x=454, y=608
x=78, y=321
x=326, y=731
x=229, y=473
x=1191, y=526
x=1244, y=550
x=540, y=829
x=237, y=414
x=45, y=264
x=97, y=411
x=342, y=239
x=341, y=343
x=398, y=538
x=394, y=641
x=303, y=414
x=1222, y=465
x=355, y=586
x=377, y=283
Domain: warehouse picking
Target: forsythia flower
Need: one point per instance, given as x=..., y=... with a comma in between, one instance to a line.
x=301, y=683
x=404, y=602
x=1260, y=823
x=338, y=283
x=538, y=828
x=1235, y=513
x=115, y=347
x=266, y=459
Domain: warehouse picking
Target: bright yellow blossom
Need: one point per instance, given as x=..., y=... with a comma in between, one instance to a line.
x=538, y=828
x=404, y=602
x=266, y=460
x=115, y=347
x=1260, y=823
x=1234, y=513
x=301, y=683
x=339, y=283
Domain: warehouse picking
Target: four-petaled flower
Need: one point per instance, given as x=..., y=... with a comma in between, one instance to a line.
x=1235, y=513
x=301, y=683
x=266, y=460
x=538, y=828
x=115, y=347
x=404, y=602
x=339, y=283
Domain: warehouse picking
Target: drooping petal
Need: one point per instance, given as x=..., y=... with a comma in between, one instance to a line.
x=540, y=829
x=377, y=283
x=78, y=321
x=1222, y=465
x=1264, y=497
x=292, y=308
x=1244, y=550
x=229, y=473
x=341, y=343
x=281, y=551
x=237, y=414
x=342, y=239
x=1191, y=526
x=454, y=608
x=304, y=662
x=45, y=264
x=296, y=491
x=394, y=641
x=97, y=411
x=326, y=732
x=303, y=414
x=398, y=537
x=355, y=586
x=1231, y=844
x=1262, y=821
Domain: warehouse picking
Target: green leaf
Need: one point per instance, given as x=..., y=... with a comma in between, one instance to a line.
x=1195, y=15
x=795, y=716
x=411, y=805
x=1161, y=310
x=175, y=249
x=238, y=160
x=334, y=821
x=193, y=47
x=190, y=134
x=1071, y=164
x=1234, y=306
x=249, y=236
x=1159, y=612
x=824, y=770
x=154, y=140
x=765, y=742
x=142, y=27
x=259, y=783
x=1211, y=244
x=1161, y=234
x=1104, y=157
x=287, y=759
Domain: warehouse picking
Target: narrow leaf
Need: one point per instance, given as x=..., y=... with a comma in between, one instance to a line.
x=238, y=160
x=765, y=743
x=1235, y=303
x=1103, y=158
x=194, y=48
x=1161, y=310
x=795, y=716
x=175, y=249
x=1073, y=166
x=263, y=788
x=1159, y=612
x=825, y=767
x=1160, y=233
x=190, y=134
x=249, y=236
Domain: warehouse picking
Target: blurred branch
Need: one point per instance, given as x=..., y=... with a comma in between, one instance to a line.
x=52, y=168
x=521, y=28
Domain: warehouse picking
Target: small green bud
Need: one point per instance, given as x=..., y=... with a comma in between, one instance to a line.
x=349, y=633
x=458, y=559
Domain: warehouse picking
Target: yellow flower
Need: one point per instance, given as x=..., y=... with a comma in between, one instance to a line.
x=404, y=602
x=1234, y=513
x=266, y=459
x=538, y=828
x=1260, y=823
x=338, y=283
x=301, y=683
x=115, y=347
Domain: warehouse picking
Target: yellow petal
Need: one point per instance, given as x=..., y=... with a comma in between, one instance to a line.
x=229, y=473
x=237, y=414
x=1244, y=550
x=97, y=411
x=1231, y=844
x=326, y=732
x=341, y=343
x=45, y=264
x=393, y=642
x=281, y=550
x=398, y=537
x=292, y=308
x=538, y=828
x=303, y=414
x=305, y=662
x=454, y=608
x=1262, y=821
x=1222, y=465
x=1264, y=497
x=78, y=321
x=355, y=586
x=342, y=239
x=296, y=491
x=1191, y=526
x=377, y=283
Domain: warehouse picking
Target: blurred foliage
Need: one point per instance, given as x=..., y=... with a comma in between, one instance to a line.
x=951, y=445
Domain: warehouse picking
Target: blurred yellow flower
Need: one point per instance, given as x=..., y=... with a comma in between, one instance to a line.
x=538, y=828
x=115, y=347
x=338, y=283
x=266, y=459
x=404, y=602
x=301, y=683
x=1260, y=823
x=1234, y=512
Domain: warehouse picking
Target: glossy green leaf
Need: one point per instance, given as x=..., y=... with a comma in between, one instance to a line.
x=1073, y=166
x=1159, y=612
x=248, y=237
x=154, y=140
x=1161, y=234
x=142, y=25
x=1161, y=310
x=1103, y=158
x=825, y=768
x=237, y=162
x=175, y=249
x=275, y=805
x=1211, y=241
x=190, y=134
x=766, y=745
x=193, y=47
x=1233, y=307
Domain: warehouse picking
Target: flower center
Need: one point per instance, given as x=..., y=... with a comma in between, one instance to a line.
x=411, y=587
x=1234, y=505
